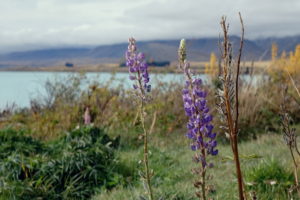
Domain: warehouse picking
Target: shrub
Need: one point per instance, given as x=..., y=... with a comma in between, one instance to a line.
x=13, y=142
x=73, y=167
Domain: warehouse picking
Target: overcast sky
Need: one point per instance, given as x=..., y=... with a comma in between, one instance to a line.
x=36, y=23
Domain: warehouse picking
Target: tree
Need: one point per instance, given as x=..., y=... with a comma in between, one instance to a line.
x=274, y=52
x=212, y=67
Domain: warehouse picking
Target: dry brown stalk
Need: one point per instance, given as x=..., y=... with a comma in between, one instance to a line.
x=229, y=99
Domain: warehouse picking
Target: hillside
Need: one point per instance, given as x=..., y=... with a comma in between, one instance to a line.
x=159, y=50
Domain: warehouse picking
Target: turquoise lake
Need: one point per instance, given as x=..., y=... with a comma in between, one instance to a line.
x=19, y=87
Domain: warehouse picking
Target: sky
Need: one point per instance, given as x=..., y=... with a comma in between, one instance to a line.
x=32, y=24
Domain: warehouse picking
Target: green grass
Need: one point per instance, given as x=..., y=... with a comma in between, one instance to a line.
x=172, y=164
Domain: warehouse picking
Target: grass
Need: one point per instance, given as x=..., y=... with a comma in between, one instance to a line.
x=172, y=164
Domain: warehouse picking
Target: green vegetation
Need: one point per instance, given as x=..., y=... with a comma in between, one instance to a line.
x=73, y=167
x=270, y=179
x=173, y=179
x=47, y=153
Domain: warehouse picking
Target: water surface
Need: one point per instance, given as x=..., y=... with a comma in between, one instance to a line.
x=20, y=87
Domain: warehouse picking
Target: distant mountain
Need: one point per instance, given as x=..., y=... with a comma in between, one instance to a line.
x=284, y=44
x=158, y=50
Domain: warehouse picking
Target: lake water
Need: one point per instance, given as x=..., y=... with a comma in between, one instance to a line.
x=20, y=87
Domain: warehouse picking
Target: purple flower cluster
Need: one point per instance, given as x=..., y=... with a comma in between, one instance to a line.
x=199, y=126
x=138, y=68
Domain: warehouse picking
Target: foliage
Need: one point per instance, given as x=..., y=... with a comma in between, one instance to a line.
x=114, y=110
x=13, y=142
x=73, y=167
x=269, y=179
x=284, y=63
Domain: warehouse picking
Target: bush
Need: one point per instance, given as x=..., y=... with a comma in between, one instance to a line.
x=73, y=167
x=13, y=142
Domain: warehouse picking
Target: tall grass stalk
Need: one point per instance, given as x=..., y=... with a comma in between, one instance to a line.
x=290, y=136
x=229, y=99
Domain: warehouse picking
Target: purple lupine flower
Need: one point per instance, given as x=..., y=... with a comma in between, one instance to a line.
x=199, y=125
x=138, y=72
x=200, y=128
x=138, y=68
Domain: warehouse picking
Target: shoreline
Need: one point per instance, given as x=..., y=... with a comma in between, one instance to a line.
x=198, y=67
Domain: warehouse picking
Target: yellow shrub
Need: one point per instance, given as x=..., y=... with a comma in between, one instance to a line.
x=211, y=68
x=284, y=63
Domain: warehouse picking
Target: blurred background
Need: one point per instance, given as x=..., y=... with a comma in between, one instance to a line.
x=91, y=36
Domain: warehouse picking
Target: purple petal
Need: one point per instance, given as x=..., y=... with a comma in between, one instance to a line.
x=214, y=152
x=212, y=136
x=185, y=91
x=141, y=56
x=131, y=77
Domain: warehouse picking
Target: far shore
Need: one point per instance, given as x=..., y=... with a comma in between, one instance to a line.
x=199, y=67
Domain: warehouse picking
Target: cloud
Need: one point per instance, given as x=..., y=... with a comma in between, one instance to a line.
x=31, y=23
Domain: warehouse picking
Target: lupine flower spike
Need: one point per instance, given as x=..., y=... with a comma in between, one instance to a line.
x=138, y=72
x=138, y=69
x=200, y=128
